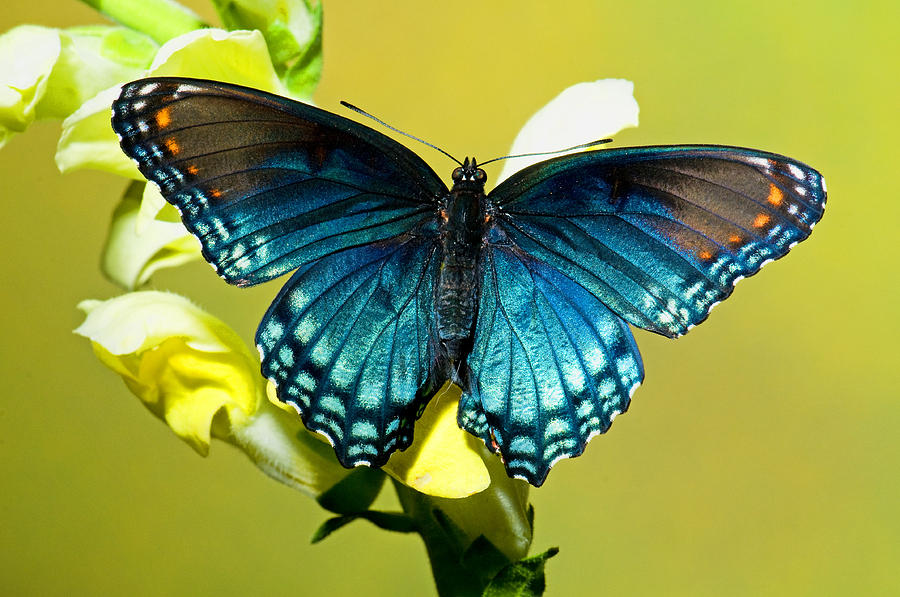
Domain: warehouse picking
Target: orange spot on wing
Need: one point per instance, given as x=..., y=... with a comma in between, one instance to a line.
x=192, y=169
x=734, y=238
x=776, y=197
x=704, y=255
x=760, y=221
x=163, y=118
x=215, y=193
x=172, y=146
x=495, y=447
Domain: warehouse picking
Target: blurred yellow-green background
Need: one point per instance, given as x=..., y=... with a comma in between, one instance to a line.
x=761, y=456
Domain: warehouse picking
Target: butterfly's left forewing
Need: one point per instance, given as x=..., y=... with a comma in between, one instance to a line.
x=661, y=234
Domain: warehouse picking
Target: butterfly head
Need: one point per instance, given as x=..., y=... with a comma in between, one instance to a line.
x=469, y=175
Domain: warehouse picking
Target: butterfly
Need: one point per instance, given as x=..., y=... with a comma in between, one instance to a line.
x=523, y=296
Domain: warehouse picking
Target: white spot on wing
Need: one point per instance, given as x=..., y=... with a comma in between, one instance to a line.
x=761, y=162
x=187, y=88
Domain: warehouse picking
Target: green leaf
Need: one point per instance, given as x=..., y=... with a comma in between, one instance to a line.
x=389, y=521
x=353, y=494
x=484, y=559
x=524, y=578
x=330, y=526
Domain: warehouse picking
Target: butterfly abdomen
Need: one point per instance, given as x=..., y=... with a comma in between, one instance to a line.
x=456, y=290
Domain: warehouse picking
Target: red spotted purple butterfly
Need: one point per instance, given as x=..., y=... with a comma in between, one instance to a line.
x=521, y=296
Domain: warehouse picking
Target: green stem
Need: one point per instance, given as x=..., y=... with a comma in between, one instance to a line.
x=160, y=19
x=445, y=552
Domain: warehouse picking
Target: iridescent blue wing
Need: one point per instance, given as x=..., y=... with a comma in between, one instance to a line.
x=266, y=183
x=661, y=234
x=349, y=343
x=551, y=366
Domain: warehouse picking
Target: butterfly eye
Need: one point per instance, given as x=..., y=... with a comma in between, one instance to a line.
x=457, y=174
x=480, y=176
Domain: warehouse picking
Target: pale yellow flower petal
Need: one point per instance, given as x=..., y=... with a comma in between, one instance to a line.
x=582, y=113
x=152, y=206
x=278, y=443
x=49, y=73
x=444, y=460
x=133, y=252
x=27, y=56
x=139, y=321
x=88, y=141
x=93, y=58
x=241, y=57
x=193, y=372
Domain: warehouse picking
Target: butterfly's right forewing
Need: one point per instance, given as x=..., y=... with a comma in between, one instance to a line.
x=268, y=184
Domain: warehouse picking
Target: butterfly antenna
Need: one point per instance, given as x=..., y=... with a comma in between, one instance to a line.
x=396, y=130
x=525, y=155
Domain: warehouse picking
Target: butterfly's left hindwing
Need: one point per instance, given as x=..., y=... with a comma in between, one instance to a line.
x=350, y=340
x=266, y=183
x=551, y=366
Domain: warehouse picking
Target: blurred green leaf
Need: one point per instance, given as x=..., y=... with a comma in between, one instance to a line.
x=524, y=578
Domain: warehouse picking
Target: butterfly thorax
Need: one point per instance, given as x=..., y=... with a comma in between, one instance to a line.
x=462, y=224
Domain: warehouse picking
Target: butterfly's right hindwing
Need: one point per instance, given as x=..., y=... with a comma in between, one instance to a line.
x=349, y=341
